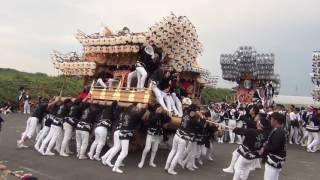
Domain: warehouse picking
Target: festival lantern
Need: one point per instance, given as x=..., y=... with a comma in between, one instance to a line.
x=245, y=65
x=174, y=35
x=315, y=75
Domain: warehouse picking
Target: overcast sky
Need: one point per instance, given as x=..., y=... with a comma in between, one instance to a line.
x=31, y=29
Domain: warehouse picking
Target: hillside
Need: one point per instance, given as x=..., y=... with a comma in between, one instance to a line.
x=216, y=95
x=38, y=84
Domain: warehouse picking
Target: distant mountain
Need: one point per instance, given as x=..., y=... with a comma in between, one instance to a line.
x=39, y=84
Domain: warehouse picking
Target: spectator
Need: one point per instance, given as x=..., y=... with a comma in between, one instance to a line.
x=26, y=103
x=84, y=93
x=1, y=121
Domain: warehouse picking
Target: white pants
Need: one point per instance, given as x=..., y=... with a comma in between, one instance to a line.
x=131, y=75
x=170, y=104
x=26, y=107
x=191, y=154
x=51, y=138
x=185, y=151
x=235, y=157
x=42, y=134
x=221, y=138
x=178, y=146
x=152, y=143
x=142, y=76
x=242, y=168
x=59, y=141
x=233, y=124
x=115, y=148
x=66, y=138
x=30, y=128
x=198, y=153
x=178, y=104
x=173, y=103
x=271, y=173
x=82, y=139
x=124, y=152
x=160, y=95
x=256, y=164
x=304, y=137
x=294, y=134
x=313, y=140
x=38, y=129
x=101, y=83
x=209, y=151
x=239, y=137
x=100, y=137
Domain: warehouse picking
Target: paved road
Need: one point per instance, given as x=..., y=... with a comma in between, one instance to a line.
x=300, y=164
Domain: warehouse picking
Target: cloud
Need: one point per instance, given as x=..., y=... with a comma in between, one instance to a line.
x=289, y=28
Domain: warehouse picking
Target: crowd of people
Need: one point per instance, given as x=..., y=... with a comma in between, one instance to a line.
x=23, y=103
x=261, y=133
x=301, y=125
x=6, y=108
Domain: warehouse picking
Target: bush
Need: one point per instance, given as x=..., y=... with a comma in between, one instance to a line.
x=216, y=95
x=38, y=84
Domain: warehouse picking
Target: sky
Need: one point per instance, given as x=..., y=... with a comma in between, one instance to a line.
x=30, y=30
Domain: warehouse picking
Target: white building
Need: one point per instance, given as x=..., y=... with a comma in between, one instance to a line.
x=295, y=100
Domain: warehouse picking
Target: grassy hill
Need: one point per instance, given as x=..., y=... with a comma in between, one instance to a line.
x=216, y=95
x=38, y=84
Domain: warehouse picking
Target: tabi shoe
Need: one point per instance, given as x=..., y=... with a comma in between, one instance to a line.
x=152, y=165
x=64, y=154
x=228, y=170
x=172, y=172
x=140, y=165
x=97, y=158
x=82, y=157
x=90, y=156
x=117, y=170
x=49, y=153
